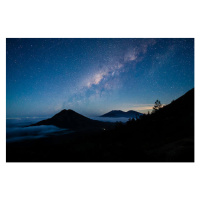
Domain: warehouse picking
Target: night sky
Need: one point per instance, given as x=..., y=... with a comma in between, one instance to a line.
x=95, y=76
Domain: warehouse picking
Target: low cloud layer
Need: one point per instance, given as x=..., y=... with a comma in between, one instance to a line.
x=14, y=132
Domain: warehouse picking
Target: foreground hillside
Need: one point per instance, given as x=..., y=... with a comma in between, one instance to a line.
x=164, y=136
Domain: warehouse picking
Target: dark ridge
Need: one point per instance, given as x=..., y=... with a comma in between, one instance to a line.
x=120, y=113
x=183, y=107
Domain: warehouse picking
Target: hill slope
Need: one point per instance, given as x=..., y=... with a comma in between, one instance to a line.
x=167, y=134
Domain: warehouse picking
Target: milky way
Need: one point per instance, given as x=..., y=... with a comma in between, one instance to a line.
x=94, y=76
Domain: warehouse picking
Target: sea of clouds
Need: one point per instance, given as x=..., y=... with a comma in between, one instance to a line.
x=111, y=119
x=16, y=130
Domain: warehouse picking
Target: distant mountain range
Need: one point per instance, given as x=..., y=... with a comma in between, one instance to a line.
x=119, y=113
x=73, y=120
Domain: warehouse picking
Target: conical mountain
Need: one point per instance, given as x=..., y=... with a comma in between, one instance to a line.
x=73, y=120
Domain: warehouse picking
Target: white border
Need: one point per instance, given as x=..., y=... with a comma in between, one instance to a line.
x=98, y=19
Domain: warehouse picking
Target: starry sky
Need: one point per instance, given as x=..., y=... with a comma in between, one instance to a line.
x=93, y=76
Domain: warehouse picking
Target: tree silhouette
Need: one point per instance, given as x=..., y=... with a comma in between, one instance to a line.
x=157, y=105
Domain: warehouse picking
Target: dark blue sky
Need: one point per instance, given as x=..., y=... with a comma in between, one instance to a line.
x=94, y=76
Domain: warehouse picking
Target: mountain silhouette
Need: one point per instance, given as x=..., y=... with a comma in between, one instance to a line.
x=73, y=120
x=120, y=113
x=166, y=135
